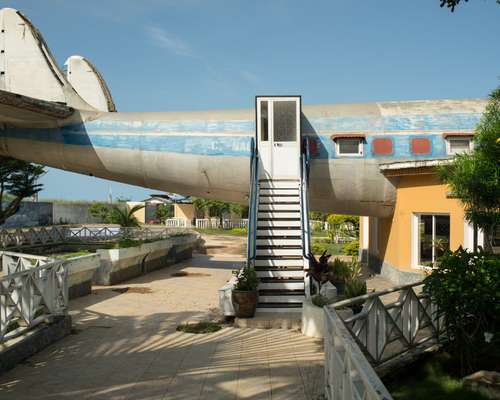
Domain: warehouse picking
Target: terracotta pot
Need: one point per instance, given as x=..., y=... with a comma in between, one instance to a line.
x=244, y=302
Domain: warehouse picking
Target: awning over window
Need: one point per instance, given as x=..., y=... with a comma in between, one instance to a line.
x=457, y=134
x=348, y=136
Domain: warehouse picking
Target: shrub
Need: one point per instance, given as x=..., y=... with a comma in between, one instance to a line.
x=351, y=248
x=239, y=231
x=247, y=279
x=320, y=301
x=338, y=271
x=466, y=289
x=355, y=288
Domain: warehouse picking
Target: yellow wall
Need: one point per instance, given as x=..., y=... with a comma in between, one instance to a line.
x=416, y=194
x=140, y=214
x=186, y=211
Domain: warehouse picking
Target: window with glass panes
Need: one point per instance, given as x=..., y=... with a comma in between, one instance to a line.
x=433, y=238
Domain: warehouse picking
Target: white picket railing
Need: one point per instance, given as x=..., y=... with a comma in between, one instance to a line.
x=391, y=323
x=36, y=292
x=208, y=223
x=178, y=223
x=234, y=223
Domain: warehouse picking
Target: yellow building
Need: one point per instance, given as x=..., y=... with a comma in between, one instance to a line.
x=425, y=222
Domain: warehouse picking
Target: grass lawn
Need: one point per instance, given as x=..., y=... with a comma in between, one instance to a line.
x=426, y=380
x=231, y=232
x=318, y=245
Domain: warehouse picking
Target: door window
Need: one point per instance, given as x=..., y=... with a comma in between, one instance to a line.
x=285, y=121
x=264, y=121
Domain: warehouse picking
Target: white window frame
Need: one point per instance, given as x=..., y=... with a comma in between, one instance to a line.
x=360, y=147
x=415, y=242
x=450, y=138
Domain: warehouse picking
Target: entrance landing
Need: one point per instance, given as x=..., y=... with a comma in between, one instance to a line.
x=125, y=347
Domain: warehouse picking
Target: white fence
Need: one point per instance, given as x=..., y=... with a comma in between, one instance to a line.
x=34, y=291
x=215, y=223
x=391, y=323
x=178, y=223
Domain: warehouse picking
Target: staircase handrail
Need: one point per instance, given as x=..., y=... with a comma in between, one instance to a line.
x=252, y=209
x=304, y=201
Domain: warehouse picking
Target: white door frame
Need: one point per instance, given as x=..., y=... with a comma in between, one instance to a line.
x=287, y=153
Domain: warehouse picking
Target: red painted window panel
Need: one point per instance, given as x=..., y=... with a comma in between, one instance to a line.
x=420, y=146
x=382, y=146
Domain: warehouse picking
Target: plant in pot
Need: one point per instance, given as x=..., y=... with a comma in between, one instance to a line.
x=244, y=295
x=338, y=272
x=355, y=288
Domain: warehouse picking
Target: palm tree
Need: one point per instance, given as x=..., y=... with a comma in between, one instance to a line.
x=125, y=217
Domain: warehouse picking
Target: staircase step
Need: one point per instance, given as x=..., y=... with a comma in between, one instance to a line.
x=278, y=214
x=279, y=207
x=279, y=252
x=285, y=298
x=281, y=184
x=278, y=242
x=299, y=262
x=278, y=307
x=280, y=273
x=279, y=223
x=282, y=284
x=278, y=192
x=279, y=268
x=264, y=232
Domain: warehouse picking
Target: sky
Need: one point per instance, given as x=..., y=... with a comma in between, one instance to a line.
x=170, y=55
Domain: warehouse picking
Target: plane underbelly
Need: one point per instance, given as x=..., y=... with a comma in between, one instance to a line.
x=344, y=186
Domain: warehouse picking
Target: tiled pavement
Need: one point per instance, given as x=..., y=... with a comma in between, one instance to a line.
x=125, y=347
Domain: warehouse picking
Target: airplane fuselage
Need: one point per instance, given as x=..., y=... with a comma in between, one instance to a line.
x=207, y=154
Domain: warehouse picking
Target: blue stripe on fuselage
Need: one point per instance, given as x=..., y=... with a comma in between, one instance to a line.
x=233, y=137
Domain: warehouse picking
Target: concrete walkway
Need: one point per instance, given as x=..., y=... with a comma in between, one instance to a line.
x=125, y=345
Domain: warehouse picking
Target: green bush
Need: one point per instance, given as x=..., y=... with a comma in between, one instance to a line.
x=338, y=270
x=239, y=231
x=247, y=279
x=320, y=301
x=351, y=248
x=355, y=288
x=466, y=289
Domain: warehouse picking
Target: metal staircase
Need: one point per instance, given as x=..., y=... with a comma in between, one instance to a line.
x=279, y=238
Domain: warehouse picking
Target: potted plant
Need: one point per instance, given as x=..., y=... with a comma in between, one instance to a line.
x=338, y=272
x=355, y=288
x=244, y=295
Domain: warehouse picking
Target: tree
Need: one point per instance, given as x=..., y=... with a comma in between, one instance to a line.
x=164, y=211
x=212, y=207
x=100, y=211
x=339, y=224
x=18, y=180
x=474, y=177
x=124, y=217
x=451, y=4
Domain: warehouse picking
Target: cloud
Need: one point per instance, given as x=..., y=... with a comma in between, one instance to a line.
x=170, y=42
